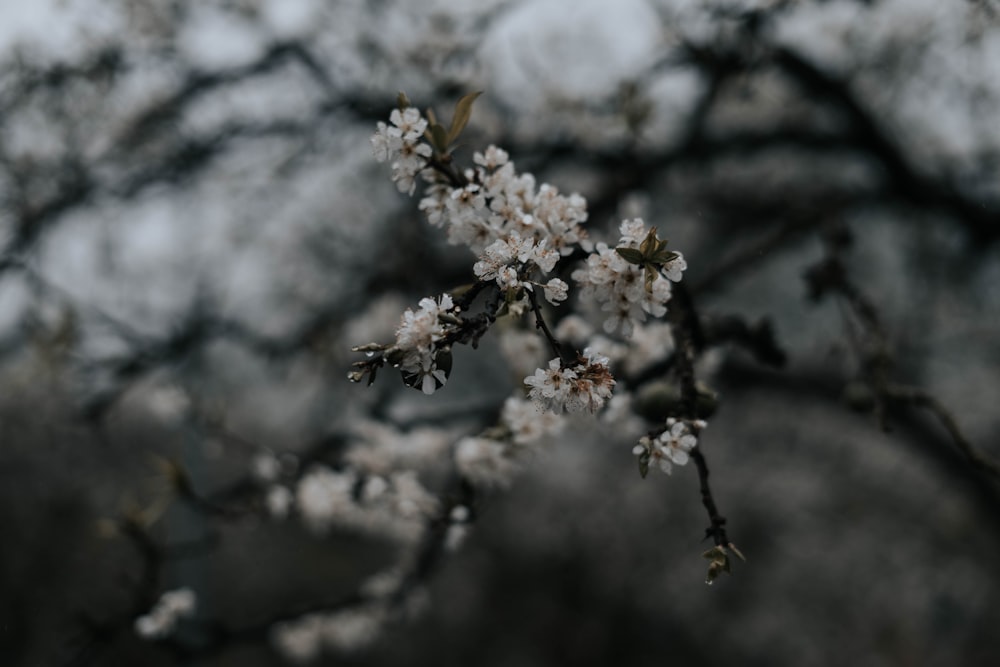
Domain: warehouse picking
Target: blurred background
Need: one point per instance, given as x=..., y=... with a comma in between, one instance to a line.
x=193, y=234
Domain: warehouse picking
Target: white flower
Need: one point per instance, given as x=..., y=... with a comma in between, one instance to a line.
x=163, y=617
x=323, y=496
x=495, y=203
x=410, y=123
x=434, y=203
x=619, y=286
x=411, y=159
x=672, y=446
x=493, y=158
x=410, y=499
x=582, y=387
x=573, y=328
x=549, y=387
x=650, y=342
x=380, y=448
x=496, y=258
x=416, y=339
x=401, y=143
x=523, y=350
x=556, y=290
x=484, y=462
x=266, y=467
x=526, y=424
x=386, y=142
x=300, y=640
x=279, y=501
x=672, y=269
x=352, y=629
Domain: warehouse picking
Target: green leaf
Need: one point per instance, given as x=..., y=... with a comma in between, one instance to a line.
x=649, y=244
x=644, y=464
x=630, y=255
x=463, y=112
x=439, y=139
x=402, y=101
x=443, y=361
x=664, y=257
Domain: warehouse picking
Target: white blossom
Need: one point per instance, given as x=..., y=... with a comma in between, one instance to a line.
x=381, y=448
x=386, y=142
x=484, y=461
x=556, y=291
x=494, y=202
x=575, y=329
x=493, y=158
x=394, y=507
x=526, y=424
x=300, y=640
x=266, y=467
x=504, y=259
x=523, y=350
x=416, y=339
x=400, y=144
x=583, y=387
x=324, y=495
x=672, y=446
x=279, y=501
x=162, y=618
x=352, y=629
x=619, y=286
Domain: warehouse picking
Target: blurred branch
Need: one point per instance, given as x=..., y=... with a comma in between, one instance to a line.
x=873, y=350
x=978, y=217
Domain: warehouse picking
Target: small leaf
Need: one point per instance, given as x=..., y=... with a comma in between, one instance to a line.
x=630, y=255
x=443, y=361
x=463, y=112
x=402, y=101
x=644, y=464
x=739, y=554
x=439, y=139
x=664, y=257
x=649, y=244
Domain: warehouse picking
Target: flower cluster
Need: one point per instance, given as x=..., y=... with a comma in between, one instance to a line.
x=416, y=351
x=618, y=285
x=400, y=144
x=394, y=506
x=304, y=639
x=505, y=260
x=584, y=386
x=496, y=202
x=163, y=617
x=492, y=458
x=670, y=447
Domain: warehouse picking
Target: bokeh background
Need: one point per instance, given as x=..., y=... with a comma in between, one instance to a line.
x=193, y=233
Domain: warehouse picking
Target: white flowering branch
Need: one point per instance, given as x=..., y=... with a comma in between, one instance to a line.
x=518, y=234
